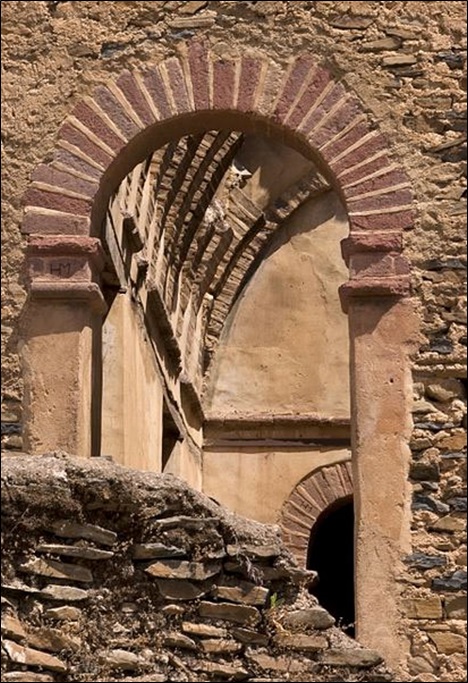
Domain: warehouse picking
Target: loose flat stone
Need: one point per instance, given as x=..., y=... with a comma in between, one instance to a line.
x=180, y=569
x=57, y=570
x=26, y=677
x=155, y=551
x=233, y=673
x=249, y=637
x=354, y=658
x=240, y=614
x=259, y=551
x=21, y=588
x=203, y=630
x=314, y=618
x=182, y=590
x=88, y=532
x=64, y=594
x=34, y=658
x=151, y=678
x=179, y=641
x=188, y=523
x=75, y=551
x=243, y=593
x=12, y=628
x=65, y=613
x=120, y=660
x=300, y=641
x=219, y=647
x=52, y=640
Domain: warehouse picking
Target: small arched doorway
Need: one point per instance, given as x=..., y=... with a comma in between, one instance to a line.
x=331, y=555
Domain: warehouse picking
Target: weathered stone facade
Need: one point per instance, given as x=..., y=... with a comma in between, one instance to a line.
x=403, y=66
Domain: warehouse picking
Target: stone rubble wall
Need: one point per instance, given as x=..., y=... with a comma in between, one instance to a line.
x=110, y=574
x=435, y=577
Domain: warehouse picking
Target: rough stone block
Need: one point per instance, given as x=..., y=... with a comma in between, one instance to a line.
x=175, y=569
x=448, y=643
x=240, y=614
x=203, y=630
x=242, y=592
x=314, y=618
x=221, y=647
x=425, y=608
x=301, y=642
x=353, y=658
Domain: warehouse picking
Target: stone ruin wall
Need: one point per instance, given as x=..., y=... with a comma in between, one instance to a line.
x=406, y=62
x=110, y=574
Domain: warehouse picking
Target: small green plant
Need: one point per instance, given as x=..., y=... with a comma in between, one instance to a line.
x=275, y=601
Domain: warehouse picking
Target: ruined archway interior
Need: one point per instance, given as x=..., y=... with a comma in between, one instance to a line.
x=225, y=349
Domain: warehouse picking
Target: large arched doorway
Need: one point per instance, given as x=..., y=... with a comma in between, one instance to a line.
x=331, y=555
x=305, y=107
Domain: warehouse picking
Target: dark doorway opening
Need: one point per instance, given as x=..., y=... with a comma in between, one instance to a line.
x=331, y=555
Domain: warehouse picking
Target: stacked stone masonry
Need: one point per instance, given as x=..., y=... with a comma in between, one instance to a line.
x=111, y=574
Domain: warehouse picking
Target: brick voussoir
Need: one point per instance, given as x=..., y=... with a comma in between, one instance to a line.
x=198, y=61
x=37, y=222
x=251, y=69
x=224, y=82
x=79, y=140
x=129, y=87
x=108, y=102
x=157, y=90
x=349, y=111
x=72, y=161
x=298, y=74
x=320, y=80
x=356, y=155
x=394, y=221
x=57, y=201
x=93, y=122
x=316, y=119
x=177, y=83
x=332, y=149
x=63, y=180
x=388, y=200
x=392, y=178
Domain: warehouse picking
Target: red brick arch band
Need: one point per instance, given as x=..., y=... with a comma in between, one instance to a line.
x=301, y=102
x=308, y=501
